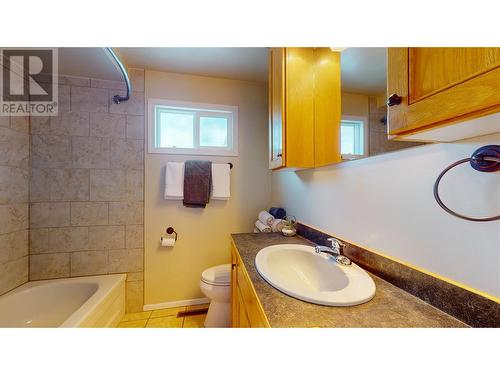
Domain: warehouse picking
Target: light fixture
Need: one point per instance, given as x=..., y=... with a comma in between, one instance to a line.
x=338, y=49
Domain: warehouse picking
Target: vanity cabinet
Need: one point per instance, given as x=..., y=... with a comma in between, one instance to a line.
x=304, y=107
x=246, y=310
x=432, y=89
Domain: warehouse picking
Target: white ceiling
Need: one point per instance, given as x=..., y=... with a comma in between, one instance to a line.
x=363, y=70
x=91, y=62
x=248, y=64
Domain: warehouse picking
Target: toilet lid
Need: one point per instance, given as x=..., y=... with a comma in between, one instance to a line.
x=218, y=275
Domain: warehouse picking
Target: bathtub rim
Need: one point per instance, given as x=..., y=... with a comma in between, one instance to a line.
x=106, y=284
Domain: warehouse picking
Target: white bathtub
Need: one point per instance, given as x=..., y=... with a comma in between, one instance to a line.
x=92, y=301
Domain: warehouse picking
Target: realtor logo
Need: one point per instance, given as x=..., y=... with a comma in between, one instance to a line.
x=29, y=82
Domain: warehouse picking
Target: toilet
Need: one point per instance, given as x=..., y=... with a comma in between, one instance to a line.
x=215, y=284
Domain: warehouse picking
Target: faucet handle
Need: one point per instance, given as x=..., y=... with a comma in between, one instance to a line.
x=336, y=244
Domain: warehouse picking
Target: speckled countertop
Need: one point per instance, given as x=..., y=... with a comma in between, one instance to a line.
x=391, y=306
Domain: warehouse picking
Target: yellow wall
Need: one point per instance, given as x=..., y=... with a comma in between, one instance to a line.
x=354, y=105
x=173, y=274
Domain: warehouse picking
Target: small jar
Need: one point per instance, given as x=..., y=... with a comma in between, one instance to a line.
x=290, y=226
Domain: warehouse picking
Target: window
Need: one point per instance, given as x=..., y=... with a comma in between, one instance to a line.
x=192, y=128
x=352, y=137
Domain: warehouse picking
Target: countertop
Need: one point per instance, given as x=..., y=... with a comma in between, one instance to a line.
x=391, y=306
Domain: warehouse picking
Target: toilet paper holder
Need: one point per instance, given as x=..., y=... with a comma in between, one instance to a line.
x=171, y=230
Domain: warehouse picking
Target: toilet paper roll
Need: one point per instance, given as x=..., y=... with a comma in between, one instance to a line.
x=167, y=241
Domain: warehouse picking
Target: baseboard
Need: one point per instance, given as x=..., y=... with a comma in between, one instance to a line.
x=166, y=305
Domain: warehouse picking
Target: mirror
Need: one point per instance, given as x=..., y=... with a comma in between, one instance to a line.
x=364, y=110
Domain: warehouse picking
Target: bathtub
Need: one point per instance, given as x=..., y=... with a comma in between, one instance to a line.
x=91, y=301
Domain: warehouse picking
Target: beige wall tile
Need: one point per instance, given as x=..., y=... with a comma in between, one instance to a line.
x=134, y=236
x=90, y=152
x=14, y=148
x=13, y=274
x=136, y=79
x=107, y=185
x=20, y=123
x=13, y=245
x=107, y=125
x=14, y=185
x=125, y=260
x=69, y=185
x=70, y=123
x=135, y=127
x=50, y=151
x=13, y=217
x=106, y=84
x=39, y=241
x=74, y=81
x=89, y=213
x=89, y=263
x=88, y=99
x=64, y=99
x=68, y=239
x=40, y=125
x=126, y=213
x=135, y=276
x=40, y=185
x=133, y=106
x=134, y=296
x=135, y=185
x=5, y=121
x=49, y=214
x=49, y=266
x=127, y=154
x=106, y=237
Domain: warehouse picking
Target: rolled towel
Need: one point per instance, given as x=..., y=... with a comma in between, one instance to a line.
x=256, y=230
x=277, y=212
x=262, y=227
x=277, y=225
x=266, y=217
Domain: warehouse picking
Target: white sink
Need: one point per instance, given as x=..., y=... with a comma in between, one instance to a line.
x=301, y=273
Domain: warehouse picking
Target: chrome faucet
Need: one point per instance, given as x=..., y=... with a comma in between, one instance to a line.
x=335, y=251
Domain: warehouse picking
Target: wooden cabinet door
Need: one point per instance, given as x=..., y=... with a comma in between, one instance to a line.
x=234, y=290
x=439, y=86
x=276, y=108
x=243, y=321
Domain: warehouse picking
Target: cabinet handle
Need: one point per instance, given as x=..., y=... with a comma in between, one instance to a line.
x=394, y=99
x=233, y=266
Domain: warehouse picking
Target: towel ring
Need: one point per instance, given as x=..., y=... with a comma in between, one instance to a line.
x=484, y=159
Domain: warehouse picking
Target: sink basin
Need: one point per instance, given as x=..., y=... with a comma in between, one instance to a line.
x=298, y=271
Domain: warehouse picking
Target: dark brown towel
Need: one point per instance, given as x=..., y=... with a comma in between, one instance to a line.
x=197, y=183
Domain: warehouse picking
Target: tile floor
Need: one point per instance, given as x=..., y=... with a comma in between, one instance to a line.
x=164, y=318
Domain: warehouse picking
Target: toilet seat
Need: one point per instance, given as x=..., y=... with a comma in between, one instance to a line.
x=218, y=275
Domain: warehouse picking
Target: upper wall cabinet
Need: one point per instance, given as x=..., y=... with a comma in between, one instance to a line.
x=304, y=107
x=432, y=89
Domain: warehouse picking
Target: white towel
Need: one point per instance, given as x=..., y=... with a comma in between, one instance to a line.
x=262, y=227
x=221, y=181
x=277, y=225
x=174, y=180
x=266, y=217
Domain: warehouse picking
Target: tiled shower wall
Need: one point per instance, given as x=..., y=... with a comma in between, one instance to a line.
x=87, y=178
x=378, y=141
x=14, y=187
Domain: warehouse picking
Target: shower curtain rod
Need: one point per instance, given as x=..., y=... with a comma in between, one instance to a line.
x=117, y=98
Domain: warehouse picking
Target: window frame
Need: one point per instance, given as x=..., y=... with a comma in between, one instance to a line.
x=200, y=110
x=364, y=120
